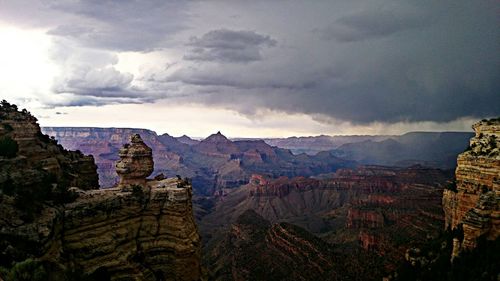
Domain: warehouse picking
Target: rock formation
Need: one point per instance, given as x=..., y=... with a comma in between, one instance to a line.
x=35, y=149
x=135, y=164
x=369, y=212
x=105, y=144
x=253, y=249
x=213, y=164
x=135, y=235
x=473, y=204
x=138, y=233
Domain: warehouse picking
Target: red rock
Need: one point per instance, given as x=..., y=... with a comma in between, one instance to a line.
x=475, y=204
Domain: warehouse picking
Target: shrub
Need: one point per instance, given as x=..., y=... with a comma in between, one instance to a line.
x=8, y=127
x=451, y=185
x=137, y=191
x=8, y=147
x=493, y=141
x=183, y=182
x=28, y=270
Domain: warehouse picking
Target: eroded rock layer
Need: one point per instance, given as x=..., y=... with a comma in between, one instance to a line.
x=130, y=235
x=367, y=211
x=36, y=151
x=136, y=162
x=473, y=205
x=254, y=249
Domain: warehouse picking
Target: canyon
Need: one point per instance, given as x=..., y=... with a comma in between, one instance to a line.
x=374, y=212
x=212, y=164
x=255, y=249
x=166, y=208
x=216, y=162
x=469, y=246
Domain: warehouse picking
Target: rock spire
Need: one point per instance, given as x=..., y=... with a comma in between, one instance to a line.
x=136, y=162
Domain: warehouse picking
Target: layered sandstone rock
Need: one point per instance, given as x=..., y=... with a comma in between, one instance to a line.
x=474, y=204
x=254, y=249
x=36, y=150
x=136, y=162
x=370, y=212
x=148, y=235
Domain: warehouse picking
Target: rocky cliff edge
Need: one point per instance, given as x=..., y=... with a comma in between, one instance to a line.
x=472, y=203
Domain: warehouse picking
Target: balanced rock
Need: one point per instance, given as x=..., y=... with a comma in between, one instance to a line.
x=136, y=162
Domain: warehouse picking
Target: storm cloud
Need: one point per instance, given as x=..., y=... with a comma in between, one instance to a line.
x=228, y=46
x=354, y=61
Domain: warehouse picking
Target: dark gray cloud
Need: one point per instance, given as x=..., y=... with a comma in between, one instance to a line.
x=375, y=24
x=71, y=100
x=228, y=46
x=110, y=24
x=386, y=60
x=434, y=62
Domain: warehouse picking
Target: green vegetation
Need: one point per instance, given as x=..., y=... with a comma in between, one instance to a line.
x=8, y=127
x=29, y=196
x=8, y=147
x=137, y=191
x=183, y=182
x=28, y=270
x=491, y=121
x=492, y=141
x=451, y=185
x=35, y=270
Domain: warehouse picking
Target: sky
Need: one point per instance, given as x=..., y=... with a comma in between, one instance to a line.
x=253, y=68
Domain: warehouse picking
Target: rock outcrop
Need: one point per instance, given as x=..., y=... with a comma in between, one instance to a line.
x=143, y=230
x=136, y=162
x=128, y=235
x=473, y=204
x=105, y=144
x=37, y=151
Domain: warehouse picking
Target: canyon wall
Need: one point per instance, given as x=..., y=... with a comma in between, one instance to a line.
x=36, y=151
x=213, y=164
x=473, y=204
x=369, y=211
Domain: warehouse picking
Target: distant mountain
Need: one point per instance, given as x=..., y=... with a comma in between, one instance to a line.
x=213, y=164
x=426, y=148
x=314, y=144
x=187, y=140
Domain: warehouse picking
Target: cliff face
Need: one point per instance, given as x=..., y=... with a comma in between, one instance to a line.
x=474, y=204
x=35, y=150
x=143, y=230
x=253, y=249
x=148, y=235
